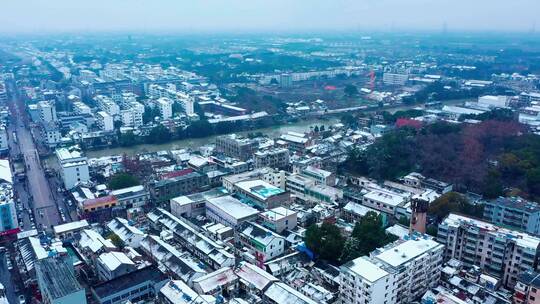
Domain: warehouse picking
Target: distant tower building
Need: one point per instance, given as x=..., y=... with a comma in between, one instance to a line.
x=285, y=80
x=419, y=214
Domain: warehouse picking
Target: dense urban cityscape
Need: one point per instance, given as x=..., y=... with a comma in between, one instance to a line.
x=348, y=167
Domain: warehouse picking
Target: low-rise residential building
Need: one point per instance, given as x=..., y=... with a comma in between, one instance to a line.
x=352, y=212
x=177, y=292
x=8, y=212
x=57, y=282
x=417, y=180
x=497, y=251
x=236, y=146
x=179, y=265
x=139, y=285
x=253, y=279
x=281, y=293
x=261, y=194
x=319, y=175
x=295, y=142
x=222, y=282
x=307, y=189
x=384, y=200
x=68, y=230
x=131, y=197
x=113, y=264
x=229, y=211
x=128, y=234
x=279, y=219
x=91, y=244
x=273, y=158
x=527, y=289
x=193, y=205
x=262, y=243
x=187, y=183
x=210, y=252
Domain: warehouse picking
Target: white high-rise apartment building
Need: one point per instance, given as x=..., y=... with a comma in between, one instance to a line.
x=74, y=166
x=4, y=144
x=104, y=121
x=498, y=251
x=165, y=107
x=108, y=105
x=47, y=111
x=81, y=108
x=132, y=115
x=398, y=273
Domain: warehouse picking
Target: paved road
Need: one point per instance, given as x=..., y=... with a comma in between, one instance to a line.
x=41, y=199
x=5, y=279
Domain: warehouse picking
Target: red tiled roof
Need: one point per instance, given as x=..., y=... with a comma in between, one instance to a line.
x=177, y=173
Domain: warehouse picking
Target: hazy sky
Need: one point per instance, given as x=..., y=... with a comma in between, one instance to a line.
x=266, y=15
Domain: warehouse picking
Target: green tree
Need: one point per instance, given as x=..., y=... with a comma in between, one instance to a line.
x=197, y=108
x=325, y=241
x=351, y=90
x=533, y=181
x=127, y=139
x=116, y=240
x=149, y=114
x=368, y=234
x=200, y=128
x=123, y=180
x=492, y=187
x=158, y=135
x=348, y=120
x=453, y=202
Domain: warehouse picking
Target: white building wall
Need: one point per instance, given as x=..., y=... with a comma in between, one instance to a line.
x=165, y=107
x=3, y=139
x=74, y=174
x=105, y=121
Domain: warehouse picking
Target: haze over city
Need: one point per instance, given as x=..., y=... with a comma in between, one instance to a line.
x=36, y=16
x=269, y=152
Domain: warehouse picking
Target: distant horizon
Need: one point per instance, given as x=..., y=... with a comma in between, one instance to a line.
x=256, y=16
x=304, y=34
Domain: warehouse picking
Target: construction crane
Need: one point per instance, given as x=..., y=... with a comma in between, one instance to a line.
x=371, y=80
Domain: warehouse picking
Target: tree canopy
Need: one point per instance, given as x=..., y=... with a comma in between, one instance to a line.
x=325, y=241
x=123, y=180
x=490, y=157
x=368, y=235
x=453, y=202
x=350, y=90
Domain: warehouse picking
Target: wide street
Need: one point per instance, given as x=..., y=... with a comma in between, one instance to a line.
x=5, y=279
x=40, y=199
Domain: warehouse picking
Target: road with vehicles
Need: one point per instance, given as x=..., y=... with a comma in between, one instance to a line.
x=40, y=203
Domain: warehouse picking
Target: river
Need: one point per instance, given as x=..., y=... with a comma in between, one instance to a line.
x=275, y=131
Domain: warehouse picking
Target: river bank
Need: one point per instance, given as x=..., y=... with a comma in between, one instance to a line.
x=274, y=131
